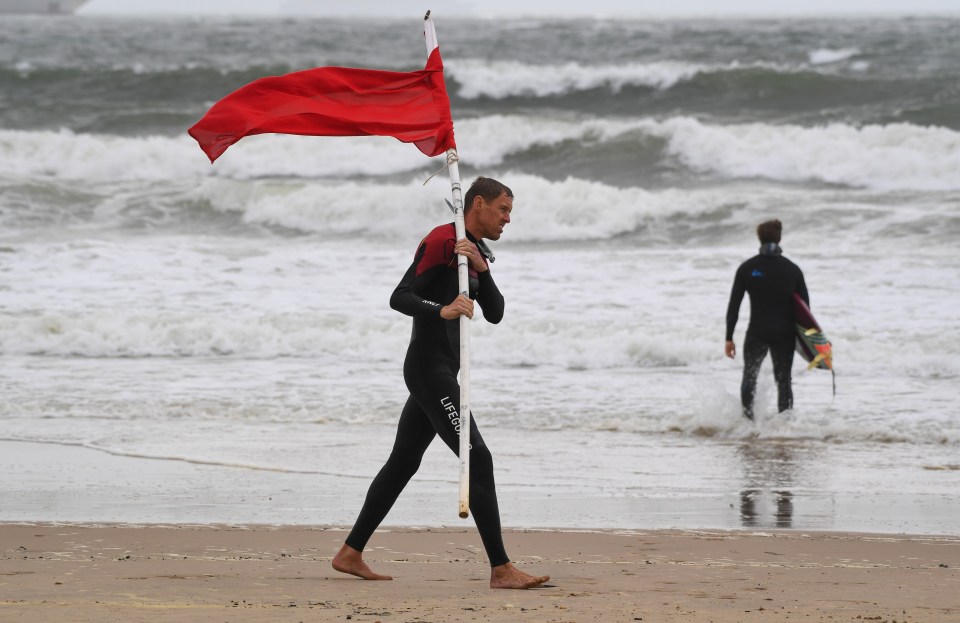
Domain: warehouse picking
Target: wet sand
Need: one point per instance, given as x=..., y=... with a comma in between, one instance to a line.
x=88, y=572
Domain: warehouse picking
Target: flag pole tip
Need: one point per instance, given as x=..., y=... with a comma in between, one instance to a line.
x=427, y=16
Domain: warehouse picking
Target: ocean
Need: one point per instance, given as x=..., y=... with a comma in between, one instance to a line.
x=189, y=343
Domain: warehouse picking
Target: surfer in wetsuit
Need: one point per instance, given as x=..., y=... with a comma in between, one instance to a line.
x=771, y=280
x=429, y=292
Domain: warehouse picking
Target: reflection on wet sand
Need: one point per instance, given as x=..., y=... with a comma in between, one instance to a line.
x=769, y=476
x=783, y=515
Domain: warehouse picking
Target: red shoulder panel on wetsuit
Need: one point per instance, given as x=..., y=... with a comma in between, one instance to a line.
x=438, y=248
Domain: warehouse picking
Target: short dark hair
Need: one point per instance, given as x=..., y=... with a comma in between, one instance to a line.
x=769, y=231
x=485, y=187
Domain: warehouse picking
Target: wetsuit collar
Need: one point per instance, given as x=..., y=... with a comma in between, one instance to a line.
x=482, y=246
x=770, y=249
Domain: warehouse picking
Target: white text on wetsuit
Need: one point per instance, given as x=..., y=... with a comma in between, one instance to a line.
x=451, y=410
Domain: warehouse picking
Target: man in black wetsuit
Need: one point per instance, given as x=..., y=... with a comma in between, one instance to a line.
x=429, y=292
x=771, y=280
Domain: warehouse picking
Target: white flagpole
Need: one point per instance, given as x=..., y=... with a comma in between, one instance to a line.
x=430, y=34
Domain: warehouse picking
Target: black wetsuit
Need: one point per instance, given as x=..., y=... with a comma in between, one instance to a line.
x=771, y=280
x=430, y=371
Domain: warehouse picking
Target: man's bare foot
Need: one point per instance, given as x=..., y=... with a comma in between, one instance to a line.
x=349, y=560
x=508, y=576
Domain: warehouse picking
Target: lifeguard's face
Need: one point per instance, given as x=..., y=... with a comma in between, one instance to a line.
x=492, y=216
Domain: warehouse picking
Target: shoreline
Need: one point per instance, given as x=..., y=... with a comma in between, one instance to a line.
x=78, y=484
x=258, y=573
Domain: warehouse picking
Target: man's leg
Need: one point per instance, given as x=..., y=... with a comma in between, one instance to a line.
x=781, y=352
x=438, y=392
x=414, y=434
x=483, y=492
x=754, y=350
x=486, y=512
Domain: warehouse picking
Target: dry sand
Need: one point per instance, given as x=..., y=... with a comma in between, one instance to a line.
x=73, y=572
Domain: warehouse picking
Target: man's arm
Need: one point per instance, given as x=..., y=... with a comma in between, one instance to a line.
x=733, y=308
x=490, y=299
x=406, y=298
x=733, y=311
x=488, y=295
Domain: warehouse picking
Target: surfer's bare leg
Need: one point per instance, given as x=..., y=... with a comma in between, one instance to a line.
x=508, y=576
x=349, y=560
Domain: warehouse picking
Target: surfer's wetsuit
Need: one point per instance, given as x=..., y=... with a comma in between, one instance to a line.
x=433, y=407
x=771, y=280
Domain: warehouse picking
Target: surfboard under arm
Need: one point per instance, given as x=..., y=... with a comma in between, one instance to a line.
x=812, y=342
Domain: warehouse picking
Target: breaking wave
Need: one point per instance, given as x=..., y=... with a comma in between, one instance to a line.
x=889, y=157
